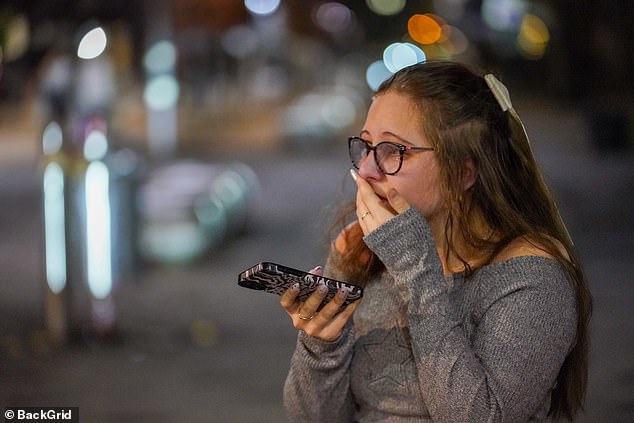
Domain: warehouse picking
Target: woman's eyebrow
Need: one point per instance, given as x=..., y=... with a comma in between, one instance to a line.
x=388, y=133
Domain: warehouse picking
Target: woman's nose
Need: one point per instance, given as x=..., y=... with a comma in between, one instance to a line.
x=368, y=167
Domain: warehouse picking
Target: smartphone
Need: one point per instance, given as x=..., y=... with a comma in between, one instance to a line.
x=276, y=279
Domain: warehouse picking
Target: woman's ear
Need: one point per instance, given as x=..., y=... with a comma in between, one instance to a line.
x=470, y=174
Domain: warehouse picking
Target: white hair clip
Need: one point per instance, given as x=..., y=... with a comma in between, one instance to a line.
x=500, y=92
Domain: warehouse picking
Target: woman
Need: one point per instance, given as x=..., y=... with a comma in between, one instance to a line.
x=475, y=305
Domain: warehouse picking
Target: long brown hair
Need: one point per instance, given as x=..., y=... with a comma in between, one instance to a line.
x=461, y=119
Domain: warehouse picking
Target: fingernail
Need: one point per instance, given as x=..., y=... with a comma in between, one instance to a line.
x=342, y=293
x=316, y=269
x=322, y=289
x=295, y=288
x=354, y=175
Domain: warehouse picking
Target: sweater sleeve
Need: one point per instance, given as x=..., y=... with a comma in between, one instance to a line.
x=525, y=324
x=317, y=387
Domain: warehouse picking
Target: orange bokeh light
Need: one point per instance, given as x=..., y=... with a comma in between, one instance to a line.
x=424, y=29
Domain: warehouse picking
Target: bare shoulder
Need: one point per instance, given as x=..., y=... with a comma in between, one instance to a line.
x=524, y=246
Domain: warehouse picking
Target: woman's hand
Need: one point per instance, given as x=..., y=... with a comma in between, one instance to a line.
x=372, y=210
x=328, y=323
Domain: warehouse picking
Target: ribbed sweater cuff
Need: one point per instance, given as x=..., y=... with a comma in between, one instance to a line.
x=317, y=347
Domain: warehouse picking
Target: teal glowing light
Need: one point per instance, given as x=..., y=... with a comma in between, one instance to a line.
x=98, y=240
x=262, y=7
x=52, y=138
x=160, y=58
x=95, y=146
x=161, y=92
x=376, y=74
x=399, y=55
x=54, y=227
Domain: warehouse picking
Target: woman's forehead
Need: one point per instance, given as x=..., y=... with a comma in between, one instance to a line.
x=394, y=114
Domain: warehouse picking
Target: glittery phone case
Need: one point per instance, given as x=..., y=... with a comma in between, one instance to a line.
x=276, y=279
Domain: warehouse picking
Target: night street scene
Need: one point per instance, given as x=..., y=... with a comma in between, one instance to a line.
x=150, y=151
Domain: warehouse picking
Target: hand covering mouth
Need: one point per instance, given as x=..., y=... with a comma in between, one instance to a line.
x=384, y=201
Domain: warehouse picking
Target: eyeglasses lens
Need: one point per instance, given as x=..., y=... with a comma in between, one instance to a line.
x=358, y=151
x=388, y=157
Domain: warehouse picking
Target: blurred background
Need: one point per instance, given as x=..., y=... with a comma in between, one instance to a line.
x=152, y=150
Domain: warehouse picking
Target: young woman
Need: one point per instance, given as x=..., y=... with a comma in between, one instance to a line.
x=475, y=307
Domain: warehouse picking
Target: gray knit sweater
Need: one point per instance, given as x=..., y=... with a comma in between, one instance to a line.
x=425, y=347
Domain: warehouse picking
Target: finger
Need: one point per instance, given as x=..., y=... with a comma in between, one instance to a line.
x=329, y=330
x=331, y=309
x=318, y=270
x=333, y=330
x=360, y=200
x=397, y=201
x=372, y=210
x=310, y=306
x=366, y=196
x=289, y=297
x=342, y=318
x=366, y=203
x=288, y=300
x=363, y=213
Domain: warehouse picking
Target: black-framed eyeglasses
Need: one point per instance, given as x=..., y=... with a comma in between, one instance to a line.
x=388, y=156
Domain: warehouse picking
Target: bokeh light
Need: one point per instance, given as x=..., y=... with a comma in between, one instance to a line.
x=376, y=73
x=161, y=92
x=338, y=111
x=262, y=7
x=54, y=227
x=16, y=38
x=52, y=138
x=396, y=56
x=424, y=29
x=386, y=7
x=453, y=10
x=160, y=58
x=533, y=37
x=95, y=145
x=92, y=44
x=319, y=114
x=240, y=41
x=453, y=41
x=503, y=15
x=333, y=17
x=98, y=231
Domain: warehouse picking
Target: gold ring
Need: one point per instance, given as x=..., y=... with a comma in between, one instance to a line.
x=305, y=318
x=365, y=214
